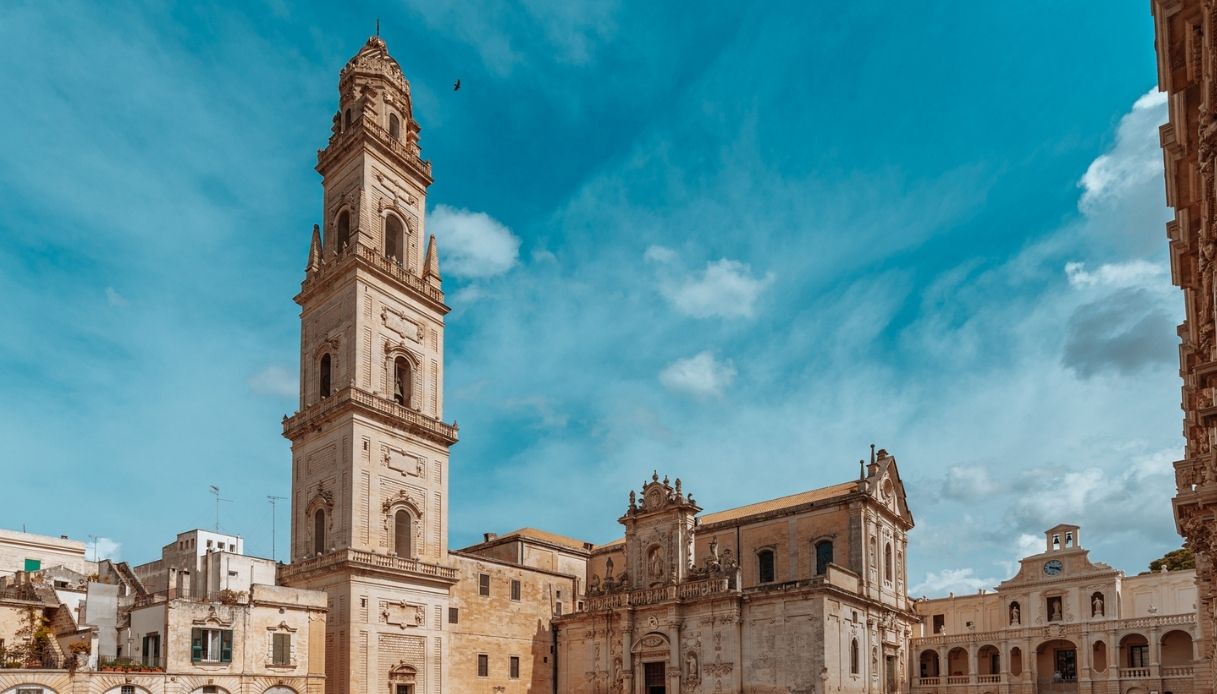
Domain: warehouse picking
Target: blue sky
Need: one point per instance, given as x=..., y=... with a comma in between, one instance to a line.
x=736, y=245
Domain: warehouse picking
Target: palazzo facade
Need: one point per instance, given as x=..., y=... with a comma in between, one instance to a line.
x=1062, y=625
x=1185, y=39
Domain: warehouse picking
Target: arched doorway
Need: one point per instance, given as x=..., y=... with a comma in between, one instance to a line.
x=929, y=664
x=1056, y=661
x=988, y=661
x=957, y=663
x=1177, y=649
x=651, y=653
x=1134, y=652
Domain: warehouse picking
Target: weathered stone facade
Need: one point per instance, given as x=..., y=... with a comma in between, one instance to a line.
x=1186, y=44
x=799, y=594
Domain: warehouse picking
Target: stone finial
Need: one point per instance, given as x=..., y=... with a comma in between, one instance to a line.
x=654, y=475
x=431, y=260
x=314, y=251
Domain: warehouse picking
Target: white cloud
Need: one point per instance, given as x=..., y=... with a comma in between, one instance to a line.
x=701, y=375
x=472, y=244
x=1131, y=273
x=961, y=581
x=659, y=254
x=114, y=298
x=1135, y=158
x=726, y=288
x=275, y=380
x=103, y=548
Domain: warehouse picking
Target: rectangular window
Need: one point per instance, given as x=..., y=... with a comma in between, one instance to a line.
x=940, y=623
x=1138, y=656
x=211, y=645
x=484, y=585
x=454, y=615
x=404, y=689
x=515, y=667
x=281, y=650
x=515, y=590
x=151, y=652
x=483, y=665
x=558, y=607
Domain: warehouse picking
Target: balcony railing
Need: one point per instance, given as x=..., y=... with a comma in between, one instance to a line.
x=1178, y=671
x=1131, y=673
x=369, y=559
x=959, y=679
x=318, y=410
x=988, y=679
x=1063, y=628
x=141, y=664
x=350, y=132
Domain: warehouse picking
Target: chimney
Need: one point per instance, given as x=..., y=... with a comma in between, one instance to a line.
x=487, y=537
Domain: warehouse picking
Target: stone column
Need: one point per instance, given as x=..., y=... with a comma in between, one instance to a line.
x=627, y=654
x=674, y=659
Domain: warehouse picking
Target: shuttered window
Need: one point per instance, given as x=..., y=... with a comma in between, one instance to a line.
x=281, y=649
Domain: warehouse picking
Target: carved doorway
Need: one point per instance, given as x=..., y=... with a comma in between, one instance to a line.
x=654, y=678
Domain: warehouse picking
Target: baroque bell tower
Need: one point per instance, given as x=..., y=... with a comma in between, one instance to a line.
x=369, y=443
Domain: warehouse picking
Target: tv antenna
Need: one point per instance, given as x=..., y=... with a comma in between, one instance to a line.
x=216, y=490
x=273, y=500
x=94, y=539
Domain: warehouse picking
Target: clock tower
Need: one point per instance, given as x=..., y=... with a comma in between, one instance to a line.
x=369, y=442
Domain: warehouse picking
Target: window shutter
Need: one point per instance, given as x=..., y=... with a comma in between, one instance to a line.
x=283, y=646
x=226, y=646
x=196, y=644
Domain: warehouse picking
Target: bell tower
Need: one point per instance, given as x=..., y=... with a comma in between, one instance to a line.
x=369, y=443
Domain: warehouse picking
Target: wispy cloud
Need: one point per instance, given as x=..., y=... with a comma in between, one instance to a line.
x=724, y=289
x=275, y=380
x=701, y=375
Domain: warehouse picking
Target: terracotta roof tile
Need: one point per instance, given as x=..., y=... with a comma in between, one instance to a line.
x=780, y=503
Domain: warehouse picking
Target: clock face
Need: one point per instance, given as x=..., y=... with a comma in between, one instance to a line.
x=1053, y=567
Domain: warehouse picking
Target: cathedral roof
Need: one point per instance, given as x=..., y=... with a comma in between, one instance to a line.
x=782, y=502
x=545, y=536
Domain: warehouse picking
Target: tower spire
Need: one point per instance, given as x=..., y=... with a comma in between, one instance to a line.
x=431, y=261
x=314, y=251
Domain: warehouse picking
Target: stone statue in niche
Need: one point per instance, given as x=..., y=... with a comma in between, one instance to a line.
x=692, y=671
x=1015, y=616
x=655, y=562
x=1096, y=606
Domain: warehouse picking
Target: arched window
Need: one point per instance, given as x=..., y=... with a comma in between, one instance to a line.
x=394, y=240
x=403, y=381
x=347, y=119
x=323, y=386
x=319, y=532
x=765, y=572
x=887, y=561
x=344, y=229
x=394, y=126
x=401, y=533
x=823, y=556
x=853, y=656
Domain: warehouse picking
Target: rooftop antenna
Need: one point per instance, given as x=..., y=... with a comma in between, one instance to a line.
x=216, y=490
x=273, y=500
x=94, y=539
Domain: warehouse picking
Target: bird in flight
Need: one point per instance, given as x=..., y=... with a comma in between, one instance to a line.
x=456, y=87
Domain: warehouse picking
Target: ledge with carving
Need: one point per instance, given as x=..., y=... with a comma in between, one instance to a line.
x=689, y=590
x=366, y=561
x=373, y=405
x=369, y=258
x=1056, y=629
x=363, y=130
